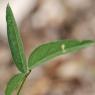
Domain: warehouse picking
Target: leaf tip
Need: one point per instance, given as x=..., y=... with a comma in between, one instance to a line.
x=8, y=6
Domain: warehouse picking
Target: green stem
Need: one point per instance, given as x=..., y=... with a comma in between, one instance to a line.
x=18, y=92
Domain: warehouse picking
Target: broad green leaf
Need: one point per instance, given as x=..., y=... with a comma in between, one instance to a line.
x=15, y=41
x=14, y=83
x=50, y=50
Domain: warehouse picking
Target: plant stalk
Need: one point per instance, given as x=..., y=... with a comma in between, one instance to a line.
x=19, y=90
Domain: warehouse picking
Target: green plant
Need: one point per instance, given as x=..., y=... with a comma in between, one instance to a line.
x=41, y=54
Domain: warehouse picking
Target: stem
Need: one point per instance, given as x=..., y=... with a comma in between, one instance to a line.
x=18, y=92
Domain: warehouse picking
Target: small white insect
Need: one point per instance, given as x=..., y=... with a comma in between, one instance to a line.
x=63, y=47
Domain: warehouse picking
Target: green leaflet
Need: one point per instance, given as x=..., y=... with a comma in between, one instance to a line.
x=14, y=83
x=15, y=42
x=50, y=50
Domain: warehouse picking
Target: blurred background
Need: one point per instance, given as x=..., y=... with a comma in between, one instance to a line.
x=42, y=21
